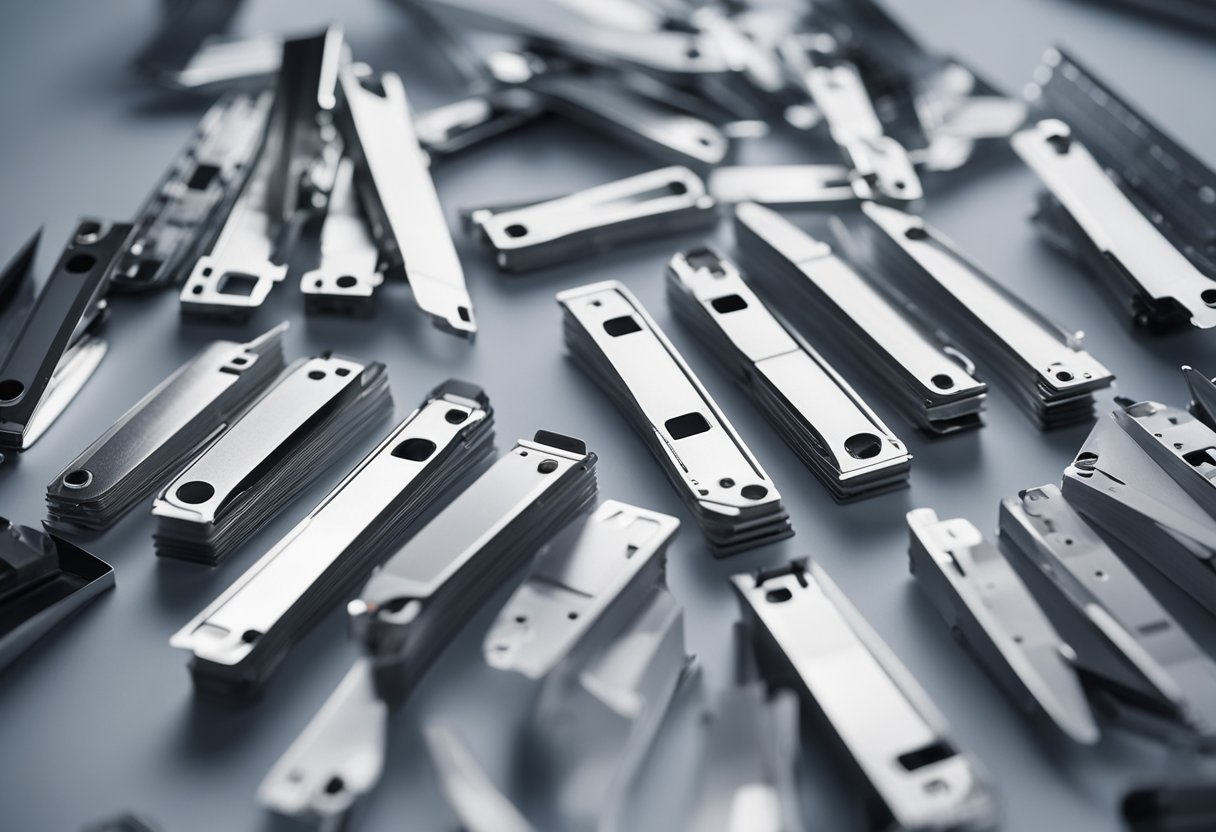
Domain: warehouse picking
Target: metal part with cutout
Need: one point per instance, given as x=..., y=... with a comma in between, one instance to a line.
x=1087, y=214
x=652, y=204
x=238, y=641
x=318, y=410
x=590, y=579
x=1121, y=489
x=930, y=382
x=730, y=496
x=157, y=436
x=1130, y=650
x=899, y=746
x=989, y=609
x=345, y=280
x=181, y=216
x=399, y=196
x=814, y=410
x=56, y=349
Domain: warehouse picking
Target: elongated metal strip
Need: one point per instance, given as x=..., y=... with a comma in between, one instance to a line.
x=347, y=276
x=400, y=196
x=840, y=438
x=226, y=632
x=451, y=128
x=635, y=208
x=935, y=391
x=985, y=603
x=585, y=580
x=789, y=186
x=53, y=354
x=162, y=430
x=1172, y=187
x=602, y=104
x=177, y=222
x=676, y=56
x=702, y=454
x=1044, y=363
x=1132, y=246
x=1131, y=643
x=812, y=639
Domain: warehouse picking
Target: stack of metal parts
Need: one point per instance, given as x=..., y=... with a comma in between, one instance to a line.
x=989, y=609
x=1123, y=198
x=43, y=580
x=596, y=626
x=636, y=208
x=1047, y=372
x=318, y=410
x=239, y=640
x=1132, y=655
x=818, y=415
x=929, y=382
x=56, y=347
x=157, y=436
x=329, y=160
x=616, y=341
x=414, y=605
x=909, y=768
x=177, y=223
x=1144, y=476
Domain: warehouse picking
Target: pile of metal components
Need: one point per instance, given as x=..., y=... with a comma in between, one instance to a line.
x=313, y=164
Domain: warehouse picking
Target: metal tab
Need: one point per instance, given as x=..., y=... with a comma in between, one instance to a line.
x=807, y=634
x=338, y=757
x=1126, y=643
x=399, y=195
x=659, y=202
x=1153, y=277
x=1051, y=376
x=880, y=164
x=731, y=497
x=43, y=580
x=679, y=57
x=589, y=578
x=986, y=606
x=239, y=639
x=179, y=219
x=930, y=384
x=451, y=128
x=348, y=274
x=1181, y=445
x=161, y=431
x=317, y=411
x=55, y=352
x=814, y=410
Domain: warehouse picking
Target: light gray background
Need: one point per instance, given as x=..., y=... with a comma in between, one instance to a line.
x=101, y=715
